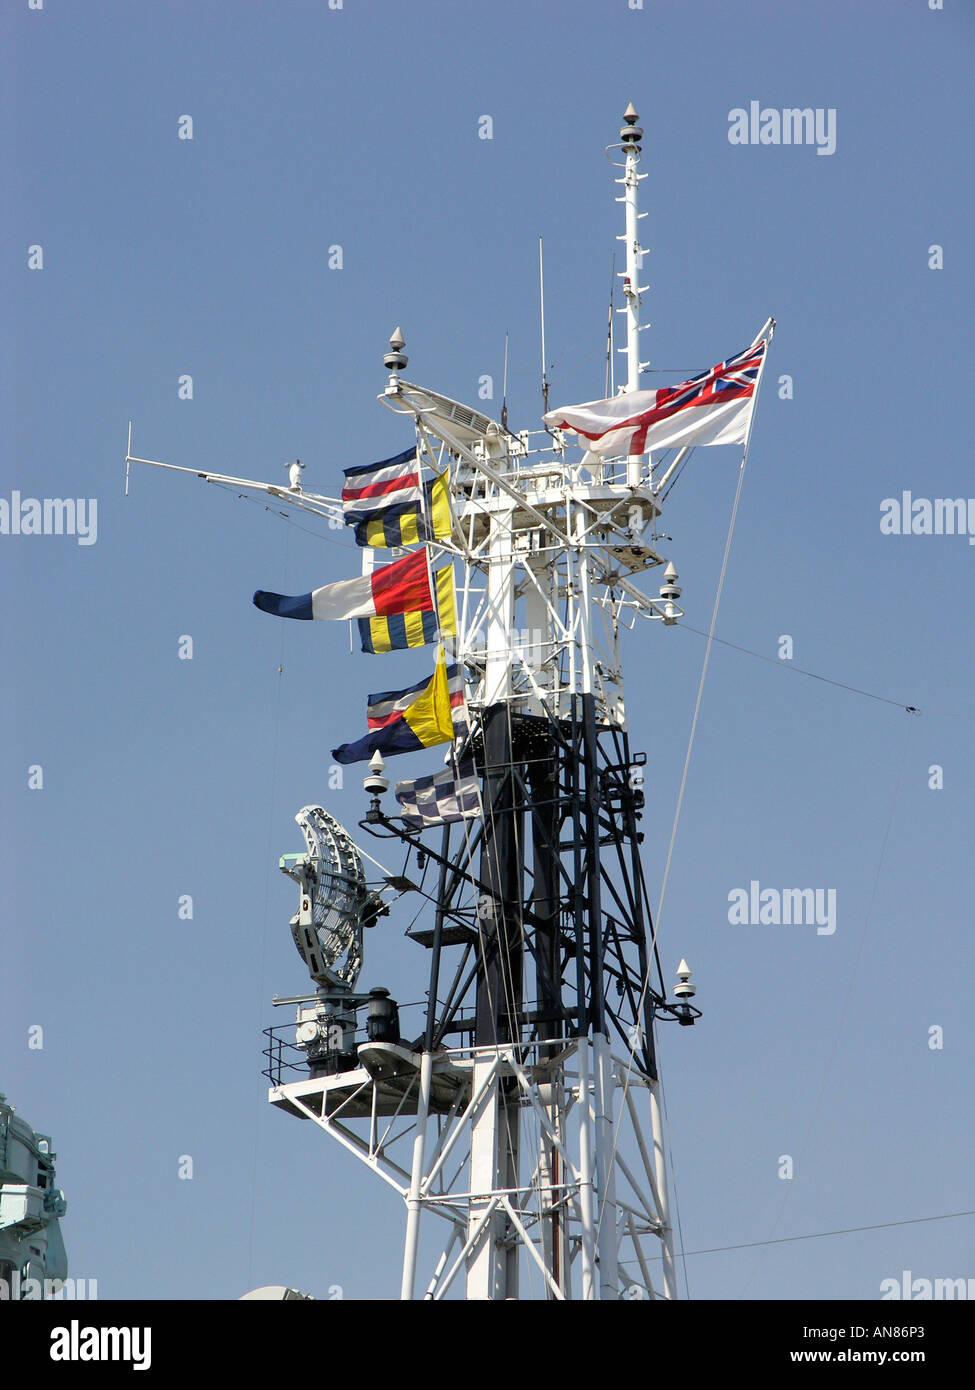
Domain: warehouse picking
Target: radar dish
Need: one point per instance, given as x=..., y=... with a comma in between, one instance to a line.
x=327, y=928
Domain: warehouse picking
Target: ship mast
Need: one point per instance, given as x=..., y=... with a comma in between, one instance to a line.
x=531, y=1097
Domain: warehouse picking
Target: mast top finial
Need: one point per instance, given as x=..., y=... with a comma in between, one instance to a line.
x=395, y=360
x=631, y=134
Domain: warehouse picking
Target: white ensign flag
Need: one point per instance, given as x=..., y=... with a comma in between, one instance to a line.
x=713, y=408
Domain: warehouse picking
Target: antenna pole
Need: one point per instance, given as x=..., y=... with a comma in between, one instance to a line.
x=631, y=135
x=541, y=298
x=609, y=388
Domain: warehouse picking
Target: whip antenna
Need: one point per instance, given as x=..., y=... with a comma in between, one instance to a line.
x=541, y=299
x=610, y=389
x=504, y=386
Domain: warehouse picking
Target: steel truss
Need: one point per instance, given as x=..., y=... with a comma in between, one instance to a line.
x=523, y=1100
x=548, y=1097
x=536, y=1072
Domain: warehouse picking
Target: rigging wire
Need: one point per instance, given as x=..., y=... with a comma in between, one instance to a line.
x=687, y=759
x=282, y=516
x=700, y=695
x=827, y=680
x=851, y=979
x=673, y=481
x=800, y=671
x=680, y=798
x=821, y=1235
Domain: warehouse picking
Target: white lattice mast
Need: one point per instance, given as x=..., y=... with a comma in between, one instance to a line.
x=631, y=136
x=529, y=1138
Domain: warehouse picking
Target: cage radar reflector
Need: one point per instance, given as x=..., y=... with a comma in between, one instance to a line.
x=334, y=898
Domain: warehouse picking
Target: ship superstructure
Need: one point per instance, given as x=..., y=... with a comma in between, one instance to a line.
x=33, y=1260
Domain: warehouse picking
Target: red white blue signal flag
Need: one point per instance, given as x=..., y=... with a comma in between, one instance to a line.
x=402, y=721
x=402, y=587
x=389, y=504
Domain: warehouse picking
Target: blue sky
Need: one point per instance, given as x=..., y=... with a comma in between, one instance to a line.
x=162, y=777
